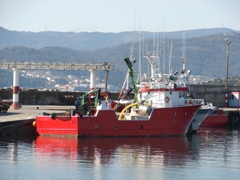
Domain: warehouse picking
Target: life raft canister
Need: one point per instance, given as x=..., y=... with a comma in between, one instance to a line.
x=167, y=99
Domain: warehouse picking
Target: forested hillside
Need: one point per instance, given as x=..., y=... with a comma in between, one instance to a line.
x=205, y=56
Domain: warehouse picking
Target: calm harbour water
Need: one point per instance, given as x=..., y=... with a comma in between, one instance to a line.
x=209, y=154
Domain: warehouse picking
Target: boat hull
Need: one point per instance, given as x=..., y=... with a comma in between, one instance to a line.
x=58, y=126
x=169, y=121
x=198, y=119
x=215, y=120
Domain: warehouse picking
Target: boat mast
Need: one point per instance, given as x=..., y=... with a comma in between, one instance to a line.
x=170, y=59
x=183, y=50
x=132, y=60
x=152, y=61
x=139, y=56
x=163, y=46
x=158, y=51
x=184, y=71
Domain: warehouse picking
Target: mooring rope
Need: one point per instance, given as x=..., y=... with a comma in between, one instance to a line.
x=17, y=124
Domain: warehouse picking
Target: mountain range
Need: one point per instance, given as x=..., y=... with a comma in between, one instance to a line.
x=204, y=49
x=89, y=41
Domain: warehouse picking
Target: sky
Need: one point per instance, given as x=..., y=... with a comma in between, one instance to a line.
x=118, y=15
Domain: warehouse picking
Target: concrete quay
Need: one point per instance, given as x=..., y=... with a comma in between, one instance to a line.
x=28, y=112
x=227, y=109
x=19, y=122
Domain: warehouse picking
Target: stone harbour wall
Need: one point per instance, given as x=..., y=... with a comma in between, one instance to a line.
x=210, y=93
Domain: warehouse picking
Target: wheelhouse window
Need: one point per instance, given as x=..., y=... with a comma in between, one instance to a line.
x=180, y=94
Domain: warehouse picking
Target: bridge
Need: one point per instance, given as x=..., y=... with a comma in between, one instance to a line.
x=17, y=66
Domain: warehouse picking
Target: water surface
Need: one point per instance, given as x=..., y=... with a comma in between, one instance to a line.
x=209, y=154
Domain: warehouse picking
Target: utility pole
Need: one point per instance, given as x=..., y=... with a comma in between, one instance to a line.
x=228, y=42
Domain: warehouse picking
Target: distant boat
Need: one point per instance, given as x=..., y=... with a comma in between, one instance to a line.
x=5, y=104
x=217, y=118
x=6, y=101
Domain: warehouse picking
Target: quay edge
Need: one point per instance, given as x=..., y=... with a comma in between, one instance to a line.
x=19, y=122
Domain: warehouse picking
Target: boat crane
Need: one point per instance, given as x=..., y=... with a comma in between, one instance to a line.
x=131, y=73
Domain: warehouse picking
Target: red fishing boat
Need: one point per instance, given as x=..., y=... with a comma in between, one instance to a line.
x=159, y=109
x=162, y=121
x=216, y=119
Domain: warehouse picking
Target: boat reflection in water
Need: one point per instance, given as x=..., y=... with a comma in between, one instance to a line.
x=139, y=151
x=212, y=153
